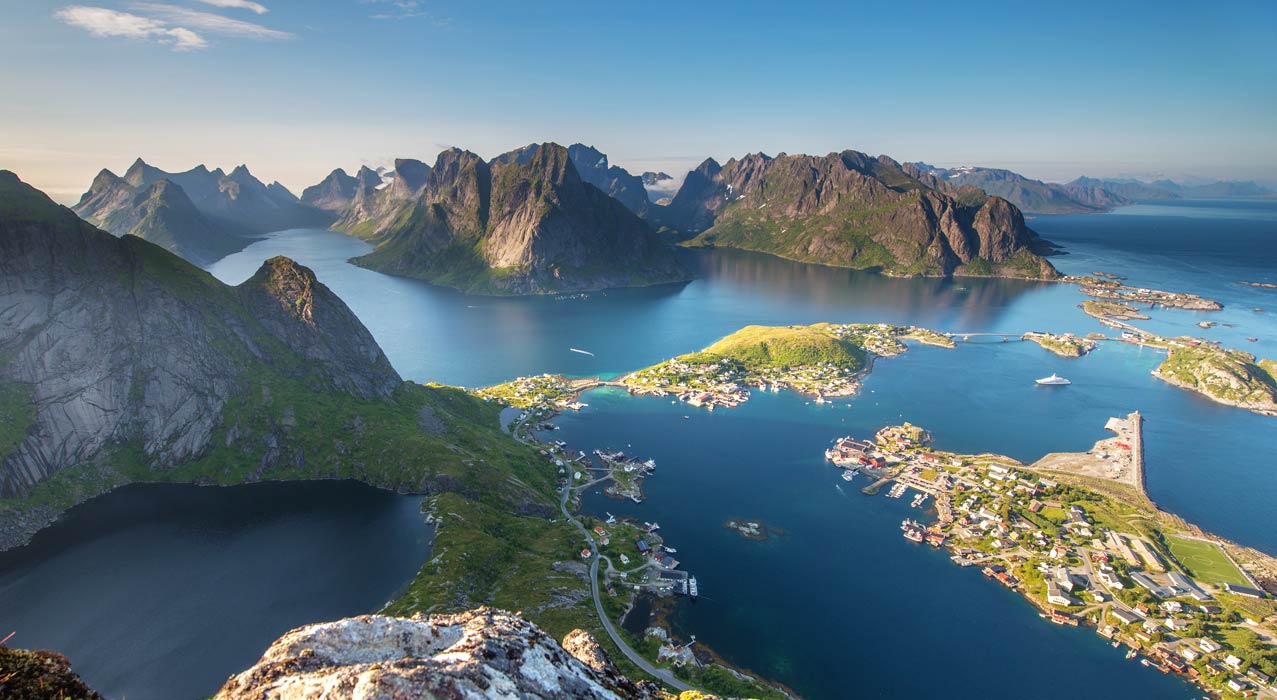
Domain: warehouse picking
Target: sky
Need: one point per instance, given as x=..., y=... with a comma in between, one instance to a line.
x=295, y=88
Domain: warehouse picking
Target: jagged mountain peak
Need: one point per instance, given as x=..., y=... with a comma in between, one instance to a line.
x=529, y=214
x=105, y=179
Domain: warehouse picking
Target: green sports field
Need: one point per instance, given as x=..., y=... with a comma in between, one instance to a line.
x=1205, y=561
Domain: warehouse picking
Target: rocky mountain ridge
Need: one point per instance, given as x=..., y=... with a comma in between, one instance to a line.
x=852, y=210
x=525, y=223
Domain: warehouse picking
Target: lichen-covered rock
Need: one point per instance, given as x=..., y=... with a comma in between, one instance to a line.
x=483, y=653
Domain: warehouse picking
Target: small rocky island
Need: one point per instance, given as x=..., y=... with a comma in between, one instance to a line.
x=1111, y=289
x=1112, y=311
x=1064, y=345
x=752, y=530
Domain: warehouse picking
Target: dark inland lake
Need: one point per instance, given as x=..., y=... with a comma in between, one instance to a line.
x=160, y=591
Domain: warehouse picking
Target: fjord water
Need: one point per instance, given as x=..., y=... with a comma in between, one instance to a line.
x=841, y=600
x=159, y=592
x=842, y=597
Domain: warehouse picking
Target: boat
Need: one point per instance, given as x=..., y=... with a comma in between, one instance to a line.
x=692, y=589
x=848, y=475
x=1130, y=654
x=671, y=550
x=1053, y=380
x=913, y=535
x=611, y=519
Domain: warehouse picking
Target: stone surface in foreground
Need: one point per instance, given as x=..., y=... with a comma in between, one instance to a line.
x=483, y=653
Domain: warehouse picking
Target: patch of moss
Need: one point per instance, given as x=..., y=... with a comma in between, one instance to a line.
x=17, y=415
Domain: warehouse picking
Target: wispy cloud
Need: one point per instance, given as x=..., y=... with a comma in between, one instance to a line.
x=179, y=28
x=207, y=21
x=102, y=22
x=237, y=4
x=396, y=9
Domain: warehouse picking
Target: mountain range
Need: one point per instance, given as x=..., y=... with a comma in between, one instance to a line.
x=121, y=362
x=528, y=222
x=200, y=214
x=1169, y=189
x=1086, y=195
x=1031, y=196
x=852, y=210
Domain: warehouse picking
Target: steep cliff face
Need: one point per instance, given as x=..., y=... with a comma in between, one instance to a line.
x=233, y=205
x=482, y=654
x=849, y=209
x=527, y=223
x=119, y=342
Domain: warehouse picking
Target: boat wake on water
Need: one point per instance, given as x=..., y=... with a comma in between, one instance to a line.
x=583, y=352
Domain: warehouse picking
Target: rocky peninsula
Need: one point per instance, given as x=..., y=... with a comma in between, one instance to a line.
x=1076, y=536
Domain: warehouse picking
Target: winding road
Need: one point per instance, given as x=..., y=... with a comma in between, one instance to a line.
x=664, y=675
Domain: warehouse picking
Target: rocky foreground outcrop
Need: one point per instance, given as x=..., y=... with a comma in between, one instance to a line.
x=484, y=653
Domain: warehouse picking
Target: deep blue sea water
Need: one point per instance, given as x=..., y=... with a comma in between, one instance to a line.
x=842, y=598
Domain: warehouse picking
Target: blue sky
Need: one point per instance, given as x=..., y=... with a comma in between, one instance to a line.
x=295, y=88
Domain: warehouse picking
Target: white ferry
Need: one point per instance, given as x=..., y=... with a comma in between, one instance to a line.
x=1053, y=380
x=692, y=590
x=848, y=475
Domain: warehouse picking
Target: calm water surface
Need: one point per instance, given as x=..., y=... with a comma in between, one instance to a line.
x=159, y=592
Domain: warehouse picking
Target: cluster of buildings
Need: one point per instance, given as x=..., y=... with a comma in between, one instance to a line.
x=699, y=384
x=1064, y=550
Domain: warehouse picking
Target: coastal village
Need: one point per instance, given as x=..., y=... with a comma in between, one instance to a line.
x=1074, y=534
x=708, y=380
